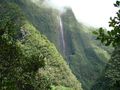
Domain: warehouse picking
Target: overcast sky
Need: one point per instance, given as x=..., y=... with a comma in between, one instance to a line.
x=91, y=12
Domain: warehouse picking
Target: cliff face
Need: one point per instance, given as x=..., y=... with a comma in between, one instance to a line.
x=85, y=56
x=29, y=61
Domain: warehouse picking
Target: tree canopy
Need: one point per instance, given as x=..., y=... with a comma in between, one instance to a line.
x=17, y=71
x=110, y=79
x=112, y=36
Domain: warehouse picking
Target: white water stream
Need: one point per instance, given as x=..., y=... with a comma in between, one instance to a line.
x=62, y=35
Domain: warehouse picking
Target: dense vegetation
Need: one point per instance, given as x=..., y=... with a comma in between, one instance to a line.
x=85, y=56
x=28, y=61
x=44, y=18
x=110, y=80
x=112, y=36
x=18, y=70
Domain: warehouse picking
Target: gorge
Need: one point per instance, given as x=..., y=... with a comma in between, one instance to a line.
x=73, y=58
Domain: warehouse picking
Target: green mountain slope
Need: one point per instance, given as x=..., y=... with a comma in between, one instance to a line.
x=28, y=60
x=43, y=18
x=110, y=79
x=85, y=56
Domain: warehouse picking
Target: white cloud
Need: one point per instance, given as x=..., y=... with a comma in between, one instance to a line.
x=92, y=12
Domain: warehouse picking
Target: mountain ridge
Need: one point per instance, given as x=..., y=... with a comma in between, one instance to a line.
x=82, y=53
x=37, y=65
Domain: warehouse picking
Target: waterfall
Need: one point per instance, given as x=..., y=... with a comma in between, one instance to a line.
x=62, y=39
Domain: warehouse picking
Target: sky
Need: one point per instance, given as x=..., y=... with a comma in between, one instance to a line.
x=95, y=13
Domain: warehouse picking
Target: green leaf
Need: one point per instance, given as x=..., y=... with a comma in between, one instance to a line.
x=109, y=33
x=108, y=43
x=95, y=32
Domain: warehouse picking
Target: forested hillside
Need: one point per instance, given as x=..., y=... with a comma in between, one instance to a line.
x=75, y=41
x=85, y=55
x=42, y=48
x=28, y=60
x=110, y=78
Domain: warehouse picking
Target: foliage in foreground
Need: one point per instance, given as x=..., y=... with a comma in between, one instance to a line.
x=18, y=66
x=112, y=36
x=110, y=80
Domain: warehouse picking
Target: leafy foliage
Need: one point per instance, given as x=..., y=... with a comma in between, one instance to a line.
x=56, y=72
x=112, y=71
x=10, y=22
x=47, y=22
x=113, y=36
x=84, y=55
x=17, y=70
x=110, y=80
x=44, y=18
x=60, y=88
x=28, y=61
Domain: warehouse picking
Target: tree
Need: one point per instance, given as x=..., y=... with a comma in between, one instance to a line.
x=17, y=70
x=110, y=80
x=112, y=36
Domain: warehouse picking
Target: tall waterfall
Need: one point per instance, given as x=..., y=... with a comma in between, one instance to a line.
x=62, y=39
